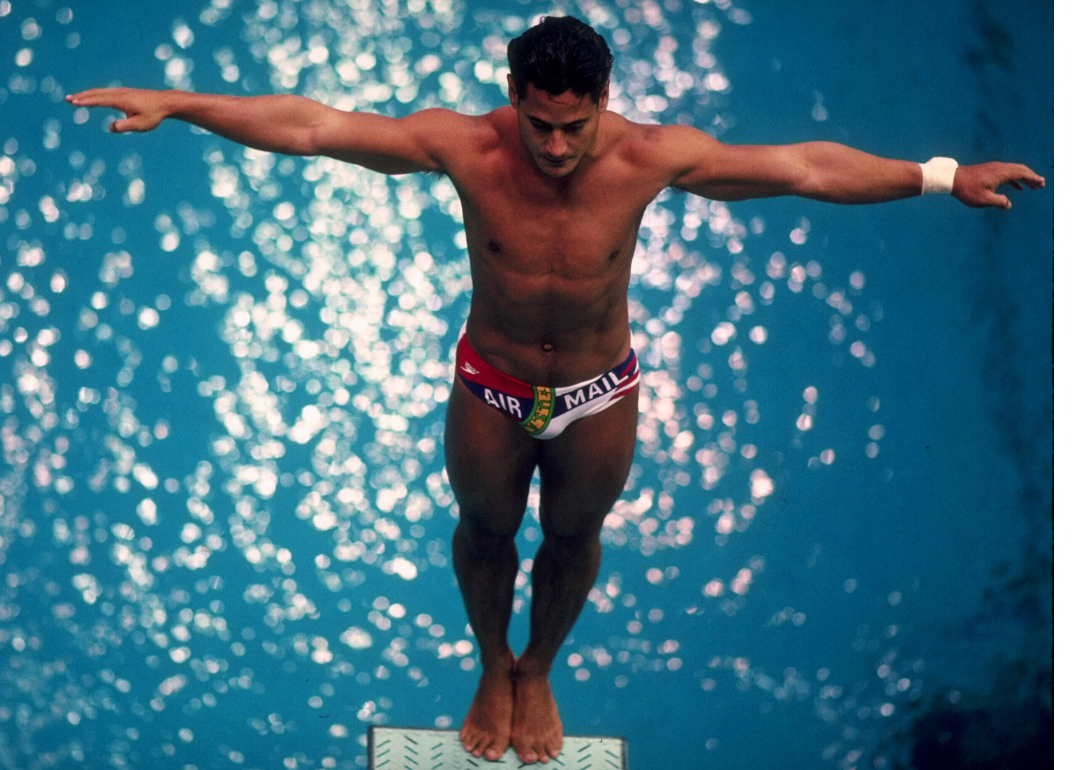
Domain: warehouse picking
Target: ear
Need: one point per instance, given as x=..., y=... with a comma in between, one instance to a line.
x=511, y=91
x=602, y=104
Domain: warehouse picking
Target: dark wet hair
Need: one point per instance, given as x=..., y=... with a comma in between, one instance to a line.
x=560, y=54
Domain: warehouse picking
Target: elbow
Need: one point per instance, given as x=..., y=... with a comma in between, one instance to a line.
x=310, y=132
x=306, y=143
x=804, y=179
x=827, y=171
x=815, y=175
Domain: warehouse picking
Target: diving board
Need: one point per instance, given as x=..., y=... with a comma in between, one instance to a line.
x=404, y=748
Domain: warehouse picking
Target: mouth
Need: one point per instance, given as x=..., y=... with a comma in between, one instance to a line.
x=555, y=161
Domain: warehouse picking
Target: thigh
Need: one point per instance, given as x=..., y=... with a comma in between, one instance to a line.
x=490, y=461
x=583, y=470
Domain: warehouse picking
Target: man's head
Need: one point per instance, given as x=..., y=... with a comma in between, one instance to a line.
x=558, y=81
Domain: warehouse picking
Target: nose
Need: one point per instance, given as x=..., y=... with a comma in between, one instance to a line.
x=556, y=145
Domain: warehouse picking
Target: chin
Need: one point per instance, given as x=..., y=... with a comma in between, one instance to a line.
x=557, y=171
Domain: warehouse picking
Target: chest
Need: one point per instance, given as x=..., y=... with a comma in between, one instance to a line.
x=584, y=229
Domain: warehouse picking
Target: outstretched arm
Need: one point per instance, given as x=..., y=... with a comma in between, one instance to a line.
x=824, y=171
x=292, y=125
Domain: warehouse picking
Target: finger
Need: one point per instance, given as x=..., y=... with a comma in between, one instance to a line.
x=1032, y=180
x=81, y=95
x=94, y=98
x=1025, y=174
x=1001, y=202
x=125, y=125
x=90, y=93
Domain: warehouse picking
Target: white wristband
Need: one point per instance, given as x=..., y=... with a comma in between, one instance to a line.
x=937, y=175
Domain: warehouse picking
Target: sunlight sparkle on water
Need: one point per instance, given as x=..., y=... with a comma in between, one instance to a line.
x=237, y=459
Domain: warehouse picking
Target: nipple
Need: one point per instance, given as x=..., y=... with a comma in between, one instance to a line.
x=547, y=347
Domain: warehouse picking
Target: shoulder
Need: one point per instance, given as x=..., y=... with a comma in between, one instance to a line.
x=667, y=150
x=437, y=123
x=452, y=135
x=675, y=145
x=453, y=125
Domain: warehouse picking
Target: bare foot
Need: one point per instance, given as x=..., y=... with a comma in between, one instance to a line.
x=486, y=731
x=537, y=734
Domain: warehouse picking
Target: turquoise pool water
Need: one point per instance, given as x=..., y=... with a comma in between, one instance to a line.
x=225, y=525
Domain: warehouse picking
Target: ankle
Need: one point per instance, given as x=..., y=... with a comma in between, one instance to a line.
x=499, y=663
x=532, y=667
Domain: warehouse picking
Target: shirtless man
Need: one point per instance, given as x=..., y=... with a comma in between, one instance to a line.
x=553, y=188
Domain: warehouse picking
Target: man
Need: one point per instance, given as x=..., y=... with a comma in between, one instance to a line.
x=553, y=188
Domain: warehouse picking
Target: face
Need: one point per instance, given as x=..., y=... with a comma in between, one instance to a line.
x=557, y=130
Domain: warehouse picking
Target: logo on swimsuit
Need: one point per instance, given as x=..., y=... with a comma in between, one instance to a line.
x=540, y=416
x=469, y=368
x=587, y=393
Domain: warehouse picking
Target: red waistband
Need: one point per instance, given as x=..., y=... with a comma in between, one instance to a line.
x=473, y=368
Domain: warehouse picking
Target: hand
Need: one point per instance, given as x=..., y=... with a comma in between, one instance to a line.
x=976, y=186
x=144, y=110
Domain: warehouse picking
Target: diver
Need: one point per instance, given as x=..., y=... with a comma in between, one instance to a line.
x=553, y=188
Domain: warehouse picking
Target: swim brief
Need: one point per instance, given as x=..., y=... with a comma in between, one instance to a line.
x=541, y=410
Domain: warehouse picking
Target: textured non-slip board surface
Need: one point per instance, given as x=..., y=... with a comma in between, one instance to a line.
x=403, y=748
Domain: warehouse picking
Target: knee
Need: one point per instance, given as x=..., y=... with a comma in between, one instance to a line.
x=571, y=539
x=574, y=525
x=480, y=538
